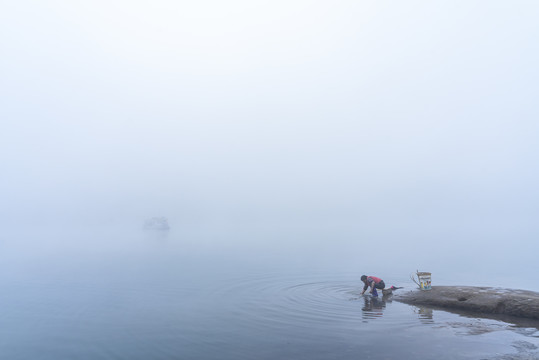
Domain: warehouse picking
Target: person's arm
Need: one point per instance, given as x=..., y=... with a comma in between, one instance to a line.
x=365, y=287
x=372, y=286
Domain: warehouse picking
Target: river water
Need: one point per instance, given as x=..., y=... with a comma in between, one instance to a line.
x=161, y=298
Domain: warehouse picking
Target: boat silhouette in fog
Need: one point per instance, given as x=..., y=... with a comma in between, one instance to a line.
x=157, y=224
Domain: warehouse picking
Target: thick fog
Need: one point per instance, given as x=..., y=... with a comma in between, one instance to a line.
x=363, y=136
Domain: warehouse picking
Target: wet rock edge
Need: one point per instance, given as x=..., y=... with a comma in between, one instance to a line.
x=478, y=300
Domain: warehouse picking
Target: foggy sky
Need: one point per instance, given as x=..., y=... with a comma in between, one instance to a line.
x=414, y=120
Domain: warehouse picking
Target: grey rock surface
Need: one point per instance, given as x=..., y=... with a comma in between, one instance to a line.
x=518, y=303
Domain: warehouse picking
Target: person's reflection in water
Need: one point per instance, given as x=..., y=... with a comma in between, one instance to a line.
x=374, y=307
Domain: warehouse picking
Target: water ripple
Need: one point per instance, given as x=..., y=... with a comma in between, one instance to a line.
x=284, y=301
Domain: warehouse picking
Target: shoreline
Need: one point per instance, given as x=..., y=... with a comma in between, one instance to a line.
x=480, y=300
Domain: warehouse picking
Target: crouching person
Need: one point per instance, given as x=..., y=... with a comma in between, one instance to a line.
x=373, y=282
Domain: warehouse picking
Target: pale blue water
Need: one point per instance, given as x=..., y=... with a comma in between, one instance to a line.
x=164, y=299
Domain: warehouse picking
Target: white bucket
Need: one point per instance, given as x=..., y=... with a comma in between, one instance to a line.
x=424, y=280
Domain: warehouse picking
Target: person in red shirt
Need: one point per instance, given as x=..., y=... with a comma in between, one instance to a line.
x=374, y=283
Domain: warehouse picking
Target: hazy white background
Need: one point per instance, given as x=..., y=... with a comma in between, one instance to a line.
x=369, y=135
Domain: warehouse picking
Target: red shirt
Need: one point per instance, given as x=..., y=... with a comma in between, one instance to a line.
x=373, y=278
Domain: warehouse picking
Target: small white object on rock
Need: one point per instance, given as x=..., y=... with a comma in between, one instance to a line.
x=157, y=223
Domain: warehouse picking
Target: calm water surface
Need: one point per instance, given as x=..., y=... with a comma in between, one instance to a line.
x=171, y=301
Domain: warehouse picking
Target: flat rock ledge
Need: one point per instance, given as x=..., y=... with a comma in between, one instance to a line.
x=486, y=300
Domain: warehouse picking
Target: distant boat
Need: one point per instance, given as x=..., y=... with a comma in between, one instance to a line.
x=157, y=223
